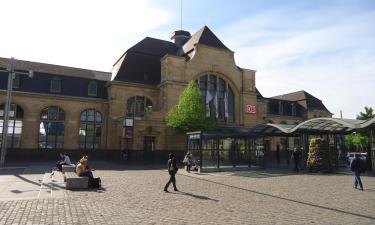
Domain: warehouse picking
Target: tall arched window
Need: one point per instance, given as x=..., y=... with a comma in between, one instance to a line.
x=138, y=105
x=51, y=129
x=14, y=126
x=90, y=130
x=218, y=97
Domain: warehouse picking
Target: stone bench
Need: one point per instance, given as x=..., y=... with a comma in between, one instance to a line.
x=73, y=181
x=68, y=168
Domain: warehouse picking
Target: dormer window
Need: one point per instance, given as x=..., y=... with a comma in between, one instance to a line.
x=16, y=81
x=92, y=89
x=281, y=110
x=55, y=85
x=294, y=109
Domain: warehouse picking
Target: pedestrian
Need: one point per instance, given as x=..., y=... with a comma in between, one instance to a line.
x=172, y=170
x=296, y=156
x=358, y=167
x=187, y=161
x=83, y=170
x=64, y=160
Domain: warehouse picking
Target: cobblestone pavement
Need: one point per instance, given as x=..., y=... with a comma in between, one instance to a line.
x=135, y=196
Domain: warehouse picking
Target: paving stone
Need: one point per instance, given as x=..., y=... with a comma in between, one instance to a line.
x=252, y=197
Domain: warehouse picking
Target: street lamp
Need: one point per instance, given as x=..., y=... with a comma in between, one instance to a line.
x=12, y=74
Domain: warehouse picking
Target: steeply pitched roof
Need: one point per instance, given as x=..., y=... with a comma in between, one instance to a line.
x=311, y=102
x=206, y=37
x=141, y=62
x=259, y=95
x=57, y=70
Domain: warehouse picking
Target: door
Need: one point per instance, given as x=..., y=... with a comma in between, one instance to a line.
x=148, y=147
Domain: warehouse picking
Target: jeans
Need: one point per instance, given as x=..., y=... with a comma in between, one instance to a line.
x=87, y=174
x=357, y=180
x=172, y=180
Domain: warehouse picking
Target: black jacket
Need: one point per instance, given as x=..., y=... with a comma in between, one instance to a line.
x=172, y=166
x=357, y=165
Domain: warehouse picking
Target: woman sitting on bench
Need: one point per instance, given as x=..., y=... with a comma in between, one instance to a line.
x=82, y=169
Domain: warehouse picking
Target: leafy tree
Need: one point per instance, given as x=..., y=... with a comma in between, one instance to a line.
x=190, y=113
x=356, y=141
x=367, y=114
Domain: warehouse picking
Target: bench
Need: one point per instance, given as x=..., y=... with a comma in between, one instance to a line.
x=73, y=181
x=68, y=168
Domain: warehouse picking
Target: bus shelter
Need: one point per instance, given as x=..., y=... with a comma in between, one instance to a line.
x=238, y=147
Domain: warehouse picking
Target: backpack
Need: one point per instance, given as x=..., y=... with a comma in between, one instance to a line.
x=95, y=183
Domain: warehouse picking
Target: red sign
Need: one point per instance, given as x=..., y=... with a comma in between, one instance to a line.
x=251, y=109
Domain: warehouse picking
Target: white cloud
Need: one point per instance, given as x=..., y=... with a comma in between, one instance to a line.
x=330, y=56
x=89, y=34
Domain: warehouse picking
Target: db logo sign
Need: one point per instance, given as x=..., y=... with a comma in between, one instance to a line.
x=251, y=109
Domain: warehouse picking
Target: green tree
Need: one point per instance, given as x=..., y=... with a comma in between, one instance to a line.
x=190, y=113
x=367, y=114
x=356, y=141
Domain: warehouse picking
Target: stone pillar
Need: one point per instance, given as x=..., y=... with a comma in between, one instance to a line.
x=30, y=128
x=30, y=133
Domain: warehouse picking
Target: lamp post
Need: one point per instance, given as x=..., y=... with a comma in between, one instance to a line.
x=11, y=75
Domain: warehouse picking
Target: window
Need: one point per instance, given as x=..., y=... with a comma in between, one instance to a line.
x=138, y=105
x=14, y=126
x=90, y=131
x=55, y=86
x=294, y=110
x=218, y=97
x=92, y=89
x=281, y=109
x=16, y=81
x=51, y=129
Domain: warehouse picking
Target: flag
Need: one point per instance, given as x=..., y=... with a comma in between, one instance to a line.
x=226, y=105
x=209, y=97
x=216, y=106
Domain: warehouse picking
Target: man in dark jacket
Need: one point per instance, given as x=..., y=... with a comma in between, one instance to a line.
x=172, y=170
x=358, y=167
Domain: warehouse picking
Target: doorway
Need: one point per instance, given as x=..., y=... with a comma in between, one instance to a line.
x=148, y=147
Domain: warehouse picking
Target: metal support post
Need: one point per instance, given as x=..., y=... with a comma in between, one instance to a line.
x=8, y=100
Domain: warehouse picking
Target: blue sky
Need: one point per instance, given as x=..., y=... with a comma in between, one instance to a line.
x=324, y=47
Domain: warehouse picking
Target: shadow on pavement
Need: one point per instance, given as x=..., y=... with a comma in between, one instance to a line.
x=286, y=199
x=201, y=197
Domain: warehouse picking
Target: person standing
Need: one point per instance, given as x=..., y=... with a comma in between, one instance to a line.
x=172, y=170
x=358, y=167
x=187, y=162
x=296, y=156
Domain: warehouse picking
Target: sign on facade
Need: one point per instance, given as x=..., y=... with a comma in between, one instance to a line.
x=251, y=109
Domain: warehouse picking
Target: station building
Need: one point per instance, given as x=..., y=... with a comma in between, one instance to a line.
x=66, y=108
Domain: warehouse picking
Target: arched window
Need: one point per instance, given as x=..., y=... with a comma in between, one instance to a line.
x=138, y=105
x=92, y=89
x=218, y=97
x=51, y=129
x=14, y=126
x=90, y=131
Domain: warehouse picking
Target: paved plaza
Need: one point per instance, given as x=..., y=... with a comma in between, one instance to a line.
x=134, y=195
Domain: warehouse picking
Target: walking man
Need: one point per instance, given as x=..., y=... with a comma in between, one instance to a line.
x=172, y=170
x=358, y=167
